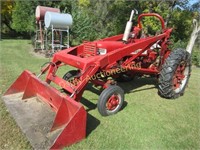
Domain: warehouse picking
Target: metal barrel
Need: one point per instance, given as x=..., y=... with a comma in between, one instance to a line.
x=41, y=10
x=57, y=20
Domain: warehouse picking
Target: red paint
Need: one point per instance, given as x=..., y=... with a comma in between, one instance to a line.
x=178, y=76
x=151, y=15
x=112, y=102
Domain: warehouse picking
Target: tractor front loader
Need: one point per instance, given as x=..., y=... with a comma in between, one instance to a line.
x=52, y=119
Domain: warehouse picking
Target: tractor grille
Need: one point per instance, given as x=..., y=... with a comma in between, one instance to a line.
x=90, y=49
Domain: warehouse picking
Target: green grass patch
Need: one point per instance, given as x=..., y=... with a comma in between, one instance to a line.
x=147, y=121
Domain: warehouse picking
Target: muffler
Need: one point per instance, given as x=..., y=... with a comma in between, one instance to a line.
x=129, y=25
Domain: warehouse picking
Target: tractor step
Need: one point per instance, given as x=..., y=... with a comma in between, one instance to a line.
x=35, y=119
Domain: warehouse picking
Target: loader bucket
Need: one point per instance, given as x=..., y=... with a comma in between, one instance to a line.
x=49, y=119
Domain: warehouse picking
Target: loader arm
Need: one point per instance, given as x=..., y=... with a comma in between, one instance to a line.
x=142, y=44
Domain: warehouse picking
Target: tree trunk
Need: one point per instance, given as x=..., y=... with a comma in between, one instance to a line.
x=193, y=36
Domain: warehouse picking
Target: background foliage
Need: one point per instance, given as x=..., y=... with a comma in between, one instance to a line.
x=95, y=19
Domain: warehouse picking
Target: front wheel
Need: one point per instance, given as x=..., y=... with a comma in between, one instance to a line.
x=110, y=100
x=174, y=74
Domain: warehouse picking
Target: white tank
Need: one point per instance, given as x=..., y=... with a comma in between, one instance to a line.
x=58, y=20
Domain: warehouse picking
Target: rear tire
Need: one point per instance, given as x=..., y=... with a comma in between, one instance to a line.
x=175, y=74
x=110, y=100
x=70, y=74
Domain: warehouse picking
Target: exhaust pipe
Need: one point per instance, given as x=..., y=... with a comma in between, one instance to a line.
x=129, y=26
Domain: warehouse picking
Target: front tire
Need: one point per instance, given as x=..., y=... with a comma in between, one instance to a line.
x=110, y=100
x=175, y=74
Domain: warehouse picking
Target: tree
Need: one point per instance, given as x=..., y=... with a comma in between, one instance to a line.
x=6, y=13
x=23, y=15
x=94, y=19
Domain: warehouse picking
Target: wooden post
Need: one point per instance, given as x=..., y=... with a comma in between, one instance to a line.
x=193, y=36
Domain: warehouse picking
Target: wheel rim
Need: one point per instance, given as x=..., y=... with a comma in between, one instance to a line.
x=113, y=102
x=180, y=77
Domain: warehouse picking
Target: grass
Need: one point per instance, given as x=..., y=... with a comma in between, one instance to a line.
x=147, y=121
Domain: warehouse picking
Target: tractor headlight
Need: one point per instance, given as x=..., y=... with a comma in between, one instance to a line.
x=102, y=51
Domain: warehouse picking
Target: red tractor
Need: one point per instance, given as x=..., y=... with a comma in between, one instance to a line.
x=102, y=63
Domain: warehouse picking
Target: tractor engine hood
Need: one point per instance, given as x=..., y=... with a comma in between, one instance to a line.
x=110, y=45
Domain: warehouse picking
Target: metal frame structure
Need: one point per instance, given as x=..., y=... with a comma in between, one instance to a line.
x=40, y=36
x=60, y=46
x=91, y=64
